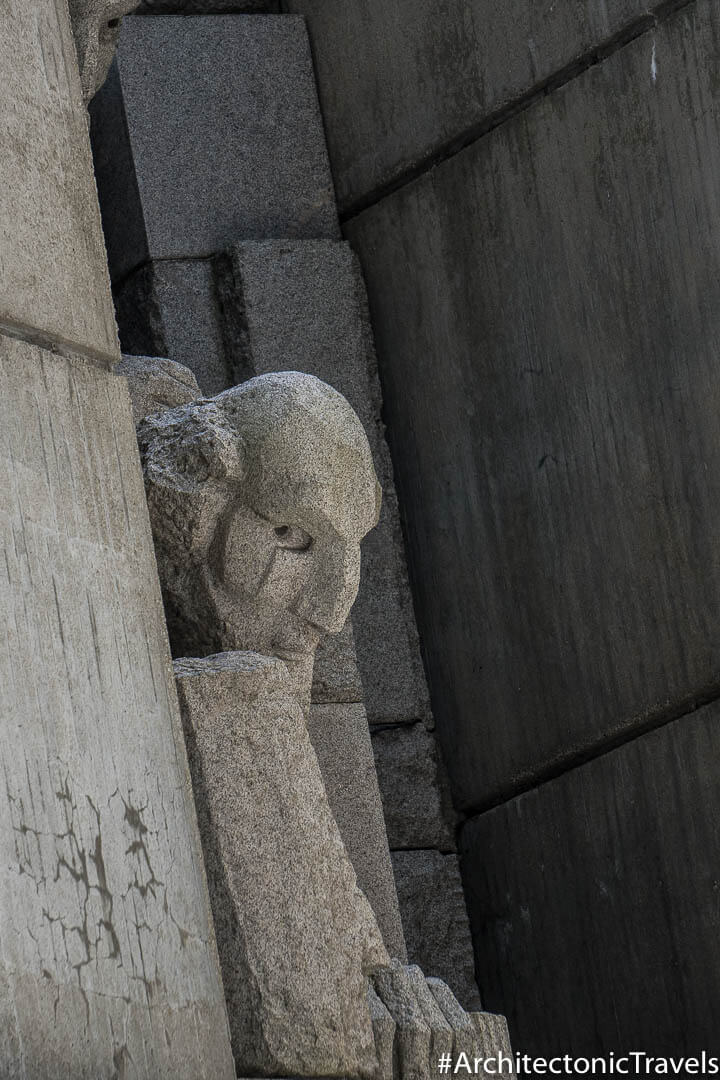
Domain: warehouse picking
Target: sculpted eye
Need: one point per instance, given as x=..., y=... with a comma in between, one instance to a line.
x=293, y=537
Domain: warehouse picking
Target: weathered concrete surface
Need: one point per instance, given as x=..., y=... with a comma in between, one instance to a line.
x=168, y=308
x=108, y=965
x=341, y=740
x=545, y=313
x=155, y=383
x=215, y=104
x=435, y=919
x=52, y=262
x=398, y=82
x=96, y=29
x=416, y=801
x=594, y=900
x=303, y=306
x=296, y=936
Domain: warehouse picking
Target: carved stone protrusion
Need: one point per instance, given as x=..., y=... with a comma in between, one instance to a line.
x=96, y=26
x=258, y=500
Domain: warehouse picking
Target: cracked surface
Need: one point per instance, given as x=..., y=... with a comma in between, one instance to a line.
x=107, y=960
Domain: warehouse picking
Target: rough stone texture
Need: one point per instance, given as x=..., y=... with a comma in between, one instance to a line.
x=108, y=961
x=259, y=499
x=384, y=1034
x=435, y=920
x=441, y=1034
x=493, y=1039
x=296, y=936
x=341, y=740
x=400, y=82
x=335, y=673
x=209, y=7
x=413, y=1038
x=464, y=1030
x=416, y=803
x=168, y=309
x=204, y=104
x=96, y=27
x=52, y=263
x=545, y=310
x=303, y=305
x=155, y=383
x=594, y=899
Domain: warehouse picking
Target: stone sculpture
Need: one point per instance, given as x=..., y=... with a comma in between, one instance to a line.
x=258, y=500
x=96, y=26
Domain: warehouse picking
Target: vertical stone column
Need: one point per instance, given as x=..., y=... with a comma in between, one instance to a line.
x=108, y=964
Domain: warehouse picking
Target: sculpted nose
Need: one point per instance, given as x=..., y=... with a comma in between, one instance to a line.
x=332, y=587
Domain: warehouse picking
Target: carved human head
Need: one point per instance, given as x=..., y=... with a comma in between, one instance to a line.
x=259, y=499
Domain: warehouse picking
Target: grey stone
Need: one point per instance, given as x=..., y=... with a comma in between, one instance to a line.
x=435, y=921
x=441, y=1033
x=384, y=1034
x=335, y=674
x=606, y=878
x=96, y=28
x=258, y=500
x=155, y=384
x=558, y=445
x=413, y=1038
x=466, y=1038
x=437, y=79
x=53, y=273
x=168, y=308
x=494, y=1043
x=202, y=104
x=209, y=7
x=418, y=813
x=108, y=960
x=303, y=305
x=341, y=740
x=296, y=936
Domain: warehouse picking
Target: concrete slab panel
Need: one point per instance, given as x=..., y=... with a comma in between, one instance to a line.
x=594, y=900
x=399, y=81
x=547, y=317
x=52, y=259
x=220, y=104
x=108, y=959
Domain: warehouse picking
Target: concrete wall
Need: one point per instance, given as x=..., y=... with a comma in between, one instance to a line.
x=534, y=197
x=108, y=963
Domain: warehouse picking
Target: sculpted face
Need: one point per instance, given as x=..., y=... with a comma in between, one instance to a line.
x=289, y=550
x=272, y=550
